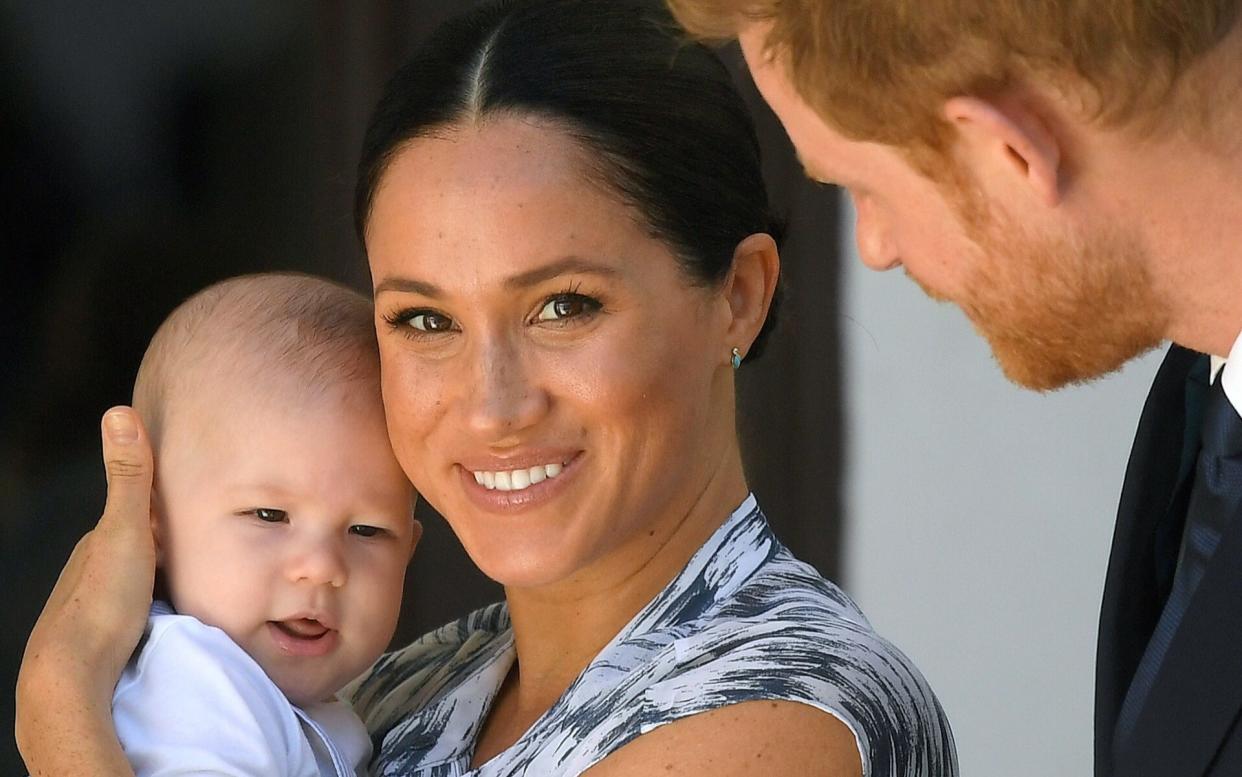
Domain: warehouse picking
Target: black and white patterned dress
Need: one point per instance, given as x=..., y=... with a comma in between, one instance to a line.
x=743, y=621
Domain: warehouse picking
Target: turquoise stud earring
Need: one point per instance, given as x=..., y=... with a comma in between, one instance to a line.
x=736, y=359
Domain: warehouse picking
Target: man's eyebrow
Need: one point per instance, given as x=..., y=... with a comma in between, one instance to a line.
x=532, y=277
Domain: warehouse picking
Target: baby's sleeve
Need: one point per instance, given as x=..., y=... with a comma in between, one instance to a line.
x=194, y=703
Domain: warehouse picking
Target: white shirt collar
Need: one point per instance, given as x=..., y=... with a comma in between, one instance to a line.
x=1229, y=371
x=1218, y=364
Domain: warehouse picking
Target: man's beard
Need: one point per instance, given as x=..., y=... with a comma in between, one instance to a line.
x=1057, y=310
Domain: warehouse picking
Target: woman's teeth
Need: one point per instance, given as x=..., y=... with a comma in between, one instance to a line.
x=516, y=479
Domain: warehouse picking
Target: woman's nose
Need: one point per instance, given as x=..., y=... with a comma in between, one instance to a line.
x=318, y=561
x=876, y=247
x=504, y=397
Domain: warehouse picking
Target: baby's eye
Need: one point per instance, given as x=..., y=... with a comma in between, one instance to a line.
x=363, y=530
x=564, y=306
x=269, y=514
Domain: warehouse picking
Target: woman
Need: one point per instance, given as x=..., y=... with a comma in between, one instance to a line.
x=571, y=253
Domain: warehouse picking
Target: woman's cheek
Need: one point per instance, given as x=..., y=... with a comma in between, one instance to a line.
x=414, y=405
x=401, y=412
x=615, y=369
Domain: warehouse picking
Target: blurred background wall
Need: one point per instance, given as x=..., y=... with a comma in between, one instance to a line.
x=148, y=149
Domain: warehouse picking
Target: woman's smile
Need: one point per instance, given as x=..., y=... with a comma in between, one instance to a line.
x=516, y=485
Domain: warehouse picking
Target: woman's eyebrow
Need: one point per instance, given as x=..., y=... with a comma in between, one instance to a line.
x=569, y=264
x=536, y=275
x=397, y=283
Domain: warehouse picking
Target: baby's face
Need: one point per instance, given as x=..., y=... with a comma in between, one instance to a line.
x=287, y=523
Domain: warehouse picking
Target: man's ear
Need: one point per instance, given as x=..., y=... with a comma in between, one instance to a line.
x=1009, y=138
x=749, y=289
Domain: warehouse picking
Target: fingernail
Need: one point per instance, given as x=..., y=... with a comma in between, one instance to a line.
x=121, y=428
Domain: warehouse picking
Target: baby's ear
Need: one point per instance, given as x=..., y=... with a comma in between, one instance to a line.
x=417, y=535
x=157, y=511
x=160, y=591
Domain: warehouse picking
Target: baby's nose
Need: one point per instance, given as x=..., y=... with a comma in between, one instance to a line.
x=319, y=563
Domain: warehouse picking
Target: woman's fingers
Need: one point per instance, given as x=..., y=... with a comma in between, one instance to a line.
x=96, y=612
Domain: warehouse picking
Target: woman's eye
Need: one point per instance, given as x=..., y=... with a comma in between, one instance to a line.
x=269, y=515
x=564, y=306
x=362, y=530
x=420, y=323
x=430, y=322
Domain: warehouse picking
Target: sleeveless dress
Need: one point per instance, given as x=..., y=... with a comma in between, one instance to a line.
x=743, y=621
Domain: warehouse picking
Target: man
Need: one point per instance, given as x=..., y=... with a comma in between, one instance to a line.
x=1070, y=175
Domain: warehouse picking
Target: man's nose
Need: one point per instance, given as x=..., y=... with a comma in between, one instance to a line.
x=876, y=247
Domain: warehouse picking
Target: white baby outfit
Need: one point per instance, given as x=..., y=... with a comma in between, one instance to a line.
x=191, y=701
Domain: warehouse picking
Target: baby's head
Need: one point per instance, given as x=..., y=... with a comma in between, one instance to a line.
x=281, y=515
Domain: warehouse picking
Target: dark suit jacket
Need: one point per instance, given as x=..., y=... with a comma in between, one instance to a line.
x=1190, y=723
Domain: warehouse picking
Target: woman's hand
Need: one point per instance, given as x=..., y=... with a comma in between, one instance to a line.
x=92, y=621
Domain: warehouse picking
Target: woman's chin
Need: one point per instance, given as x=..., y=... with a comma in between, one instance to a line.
x=527, y=557
x=515, y=568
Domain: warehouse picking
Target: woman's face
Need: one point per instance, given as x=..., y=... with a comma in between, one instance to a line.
x=554, y=384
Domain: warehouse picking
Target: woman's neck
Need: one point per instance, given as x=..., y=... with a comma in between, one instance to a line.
x=559, y=629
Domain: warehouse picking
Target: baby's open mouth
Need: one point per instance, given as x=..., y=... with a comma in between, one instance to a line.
x=306, y=637
x=302, y=628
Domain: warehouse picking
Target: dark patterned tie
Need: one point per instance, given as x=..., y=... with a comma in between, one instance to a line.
x=1214, y=500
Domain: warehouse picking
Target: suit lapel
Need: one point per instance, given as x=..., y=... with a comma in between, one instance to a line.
x=1134, y=591
x=1198, y=692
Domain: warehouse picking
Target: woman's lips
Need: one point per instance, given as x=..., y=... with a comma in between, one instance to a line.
x=507, y=487
x=303, y=637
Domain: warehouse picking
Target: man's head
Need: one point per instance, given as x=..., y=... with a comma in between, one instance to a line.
x=281, y=515
x=883, y=70
x=978, y=140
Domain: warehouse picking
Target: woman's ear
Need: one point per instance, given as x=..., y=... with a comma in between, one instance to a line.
x=1010, y=142
x=749, y=289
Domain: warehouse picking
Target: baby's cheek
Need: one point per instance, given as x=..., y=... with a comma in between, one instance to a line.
x=187, y=580
x=388, y=598
x=376, y=581
x=209, y=598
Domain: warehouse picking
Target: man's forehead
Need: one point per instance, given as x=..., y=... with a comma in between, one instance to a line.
x=803, y=125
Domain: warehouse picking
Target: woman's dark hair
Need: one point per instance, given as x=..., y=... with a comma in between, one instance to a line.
x=660, y=114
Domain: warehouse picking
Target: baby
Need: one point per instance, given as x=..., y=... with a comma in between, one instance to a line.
x=283, y=528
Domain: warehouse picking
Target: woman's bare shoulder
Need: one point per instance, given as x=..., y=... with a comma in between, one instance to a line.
x=754, y=737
